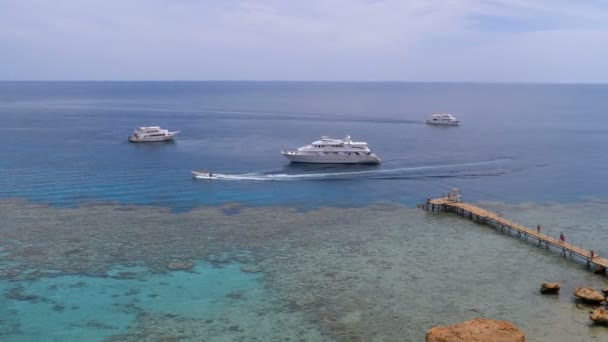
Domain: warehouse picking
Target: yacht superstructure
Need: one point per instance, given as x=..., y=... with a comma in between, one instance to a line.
x=152, y=133
x=443, y=119
x=333, y=151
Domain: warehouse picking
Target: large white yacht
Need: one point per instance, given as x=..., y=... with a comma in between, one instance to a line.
x=333, y=151
x=443, y=119
x=152, y=133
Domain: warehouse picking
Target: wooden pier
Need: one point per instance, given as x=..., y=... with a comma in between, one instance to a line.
x=452, y=203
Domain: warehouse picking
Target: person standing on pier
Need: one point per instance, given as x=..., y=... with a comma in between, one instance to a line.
x=562, y=238
x=538, y=229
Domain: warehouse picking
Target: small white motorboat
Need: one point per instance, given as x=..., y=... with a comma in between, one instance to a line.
x=204, y=174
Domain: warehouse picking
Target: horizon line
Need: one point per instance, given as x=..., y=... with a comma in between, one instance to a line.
x=309, y=81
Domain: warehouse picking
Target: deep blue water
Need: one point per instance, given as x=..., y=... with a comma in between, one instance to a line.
x=65, y=143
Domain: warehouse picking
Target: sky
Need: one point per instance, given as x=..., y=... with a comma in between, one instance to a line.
x=328, y=40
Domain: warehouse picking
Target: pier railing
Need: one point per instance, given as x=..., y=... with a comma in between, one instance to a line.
x=453, y=204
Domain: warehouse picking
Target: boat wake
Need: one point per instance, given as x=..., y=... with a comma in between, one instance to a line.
x=473, y=169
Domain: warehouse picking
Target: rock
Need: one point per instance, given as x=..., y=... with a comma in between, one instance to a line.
x=588, y=294
x=477, y=330
x=549, y=288
x=605, y=290
x=599, y=316
x=180, y=265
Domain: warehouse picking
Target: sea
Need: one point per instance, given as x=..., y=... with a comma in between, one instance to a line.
x=106, y=240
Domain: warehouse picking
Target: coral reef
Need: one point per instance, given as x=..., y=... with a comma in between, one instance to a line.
x=345, y=274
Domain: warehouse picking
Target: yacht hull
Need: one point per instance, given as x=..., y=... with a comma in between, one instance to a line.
x=443, y=119
x=332, y=159
x=333, y=151
x=443, y=123
x=150, y=139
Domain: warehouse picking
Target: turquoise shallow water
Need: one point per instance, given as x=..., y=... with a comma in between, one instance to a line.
x=95, y=308
x=90, y=224
x=77, y=308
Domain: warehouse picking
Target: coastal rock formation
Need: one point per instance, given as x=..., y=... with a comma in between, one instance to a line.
x=178, y=265
x=599, y=316
x=605, y=291
x=549, y=288
x=588, y=294
x=477, y=330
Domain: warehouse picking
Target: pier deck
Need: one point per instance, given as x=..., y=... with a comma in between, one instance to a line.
x=453, y=204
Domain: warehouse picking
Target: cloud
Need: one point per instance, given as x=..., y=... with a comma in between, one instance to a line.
x=465, y=40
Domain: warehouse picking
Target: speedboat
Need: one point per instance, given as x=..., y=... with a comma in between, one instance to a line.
x=203, y=174
x=443, y=119
x=152, y=133
x=333, y=151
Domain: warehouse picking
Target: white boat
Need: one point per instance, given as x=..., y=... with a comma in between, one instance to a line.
x=152, y=133
x=443, y=119
x=202, y=174
x=333, y=151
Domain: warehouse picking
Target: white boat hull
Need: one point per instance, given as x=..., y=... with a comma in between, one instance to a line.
x=133, y=138
x=454, y=123
x=342, y=158
x=203, y=175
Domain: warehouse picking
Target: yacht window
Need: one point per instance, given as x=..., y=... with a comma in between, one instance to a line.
x=357, y=153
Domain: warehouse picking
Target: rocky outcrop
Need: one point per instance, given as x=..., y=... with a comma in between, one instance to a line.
x=477, y=330
x=588, y=294
x=549, y=288
x=599, y=316
x=180, y=265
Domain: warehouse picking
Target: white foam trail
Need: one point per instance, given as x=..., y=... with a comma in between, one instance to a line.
x=246, y=176
x=339, y=175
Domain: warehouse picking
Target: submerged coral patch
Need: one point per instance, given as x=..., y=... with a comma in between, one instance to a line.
x=382, y=272
x=206, y=302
